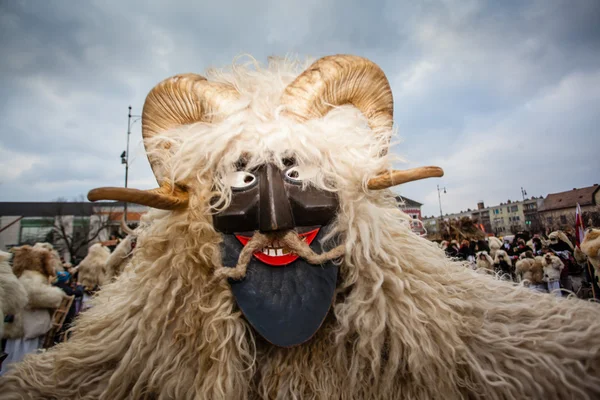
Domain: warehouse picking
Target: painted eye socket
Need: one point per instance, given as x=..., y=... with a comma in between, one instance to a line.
x=300, y=173
x=240, y=179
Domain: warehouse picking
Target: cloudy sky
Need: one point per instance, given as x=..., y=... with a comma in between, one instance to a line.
x=501, y=94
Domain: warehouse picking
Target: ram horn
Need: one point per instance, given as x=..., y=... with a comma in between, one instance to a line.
x=398, y=177
x=338, y=80
x=164, y=198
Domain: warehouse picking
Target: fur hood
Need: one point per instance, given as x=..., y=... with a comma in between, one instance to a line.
x=54, y=258
x=27, y=258
x=91, y=268
x=484, y=261
x=119, y=258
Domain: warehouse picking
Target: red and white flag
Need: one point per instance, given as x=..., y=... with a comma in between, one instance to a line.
x=579, y=235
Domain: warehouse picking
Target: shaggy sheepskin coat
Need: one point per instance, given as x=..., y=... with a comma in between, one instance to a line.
x=55, y=257
x=553, y=266
x=34, y=269
x=406, y=321
x=495, y=245
x=91, y=269
x=40, y=294
x=119, y=258
x=487, y=264
x=591, y=248
x=13, y=296
x=530, y=270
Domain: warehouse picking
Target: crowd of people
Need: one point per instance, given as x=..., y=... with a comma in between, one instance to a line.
x=545, y=263
x=40, y=283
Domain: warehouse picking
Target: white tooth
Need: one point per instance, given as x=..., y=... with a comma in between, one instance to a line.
x=265, y=251
x=271, y=252
x=279, y=252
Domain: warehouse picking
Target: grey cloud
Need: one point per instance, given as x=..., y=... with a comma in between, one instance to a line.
x=75, y=67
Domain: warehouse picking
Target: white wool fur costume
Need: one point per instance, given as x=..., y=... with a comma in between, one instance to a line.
x=91, y=268
x=495, y=244
x=119, y=258
x=590, y=246
x=552, y=267
x=56, y=263
x=487, y=264
x=501, y=255
x=560, y=235
x=40, y=294
x=13, y=296
x=406, y=321
x=530, y=271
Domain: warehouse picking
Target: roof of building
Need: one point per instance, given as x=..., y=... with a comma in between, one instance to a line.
x=408, y=203
x=43, y=209
x=53, y=208
x=569, y=199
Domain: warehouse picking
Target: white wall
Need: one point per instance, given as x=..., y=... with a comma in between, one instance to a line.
x=10, y=236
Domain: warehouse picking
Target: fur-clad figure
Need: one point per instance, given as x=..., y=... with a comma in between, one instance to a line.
x=553, y=267
x=530, y=270
x=558, y=237
x=119, y=258
x=33, y=319
x=376, y=311
x=485, y=263
x=503, y=264
x=91, y=268
x=27, y=258
x=13, y=296
x=56, y=262
x=121, y=255
x=590, y=246
x=495, y=245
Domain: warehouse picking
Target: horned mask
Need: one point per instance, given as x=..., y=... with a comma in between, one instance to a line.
x=290, y=274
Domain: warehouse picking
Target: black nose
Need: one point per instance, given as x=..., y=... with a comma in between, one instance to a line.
x=275, y=210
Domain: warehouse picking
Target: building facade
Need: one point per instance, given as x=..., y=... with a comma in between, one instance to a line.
x=67, y=225
x=412, y=208
x=558, y=210
x=503, y=219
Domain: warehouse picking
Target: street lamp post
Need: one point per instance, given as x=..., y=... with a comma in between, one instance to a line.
x=523, y=193
x=440, y=199
x=125, y=154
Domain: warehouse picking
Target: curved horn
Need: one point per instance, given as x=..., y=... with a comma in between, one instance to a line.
x=164, y=198
x=125, y=228
x=337, y=80
x=180, y=100
x=398, y=177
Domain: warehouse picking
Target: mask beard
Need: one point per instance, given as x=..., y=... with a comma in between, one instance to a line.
x=289, y=239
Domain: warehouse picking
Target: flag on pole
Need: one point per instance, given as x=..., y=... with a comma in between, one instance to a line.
x=578, y=226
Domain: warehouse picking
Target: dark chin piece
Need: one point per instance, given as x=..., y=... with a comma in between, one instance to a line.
x=286, y=305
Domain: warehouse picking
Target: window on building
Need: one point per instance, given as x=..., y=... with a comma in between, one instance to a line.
x=563, y=219
x=514, y=208
x=36, y=230
x=549, y=220
x=517, y=218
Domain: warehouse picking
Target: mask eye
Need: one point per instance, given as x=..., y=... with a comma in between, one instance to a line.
x=298, y=173
x=240, y=179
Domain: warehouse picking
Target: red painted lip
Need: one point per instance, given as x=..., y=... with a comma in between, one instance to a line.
x=278, y=261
